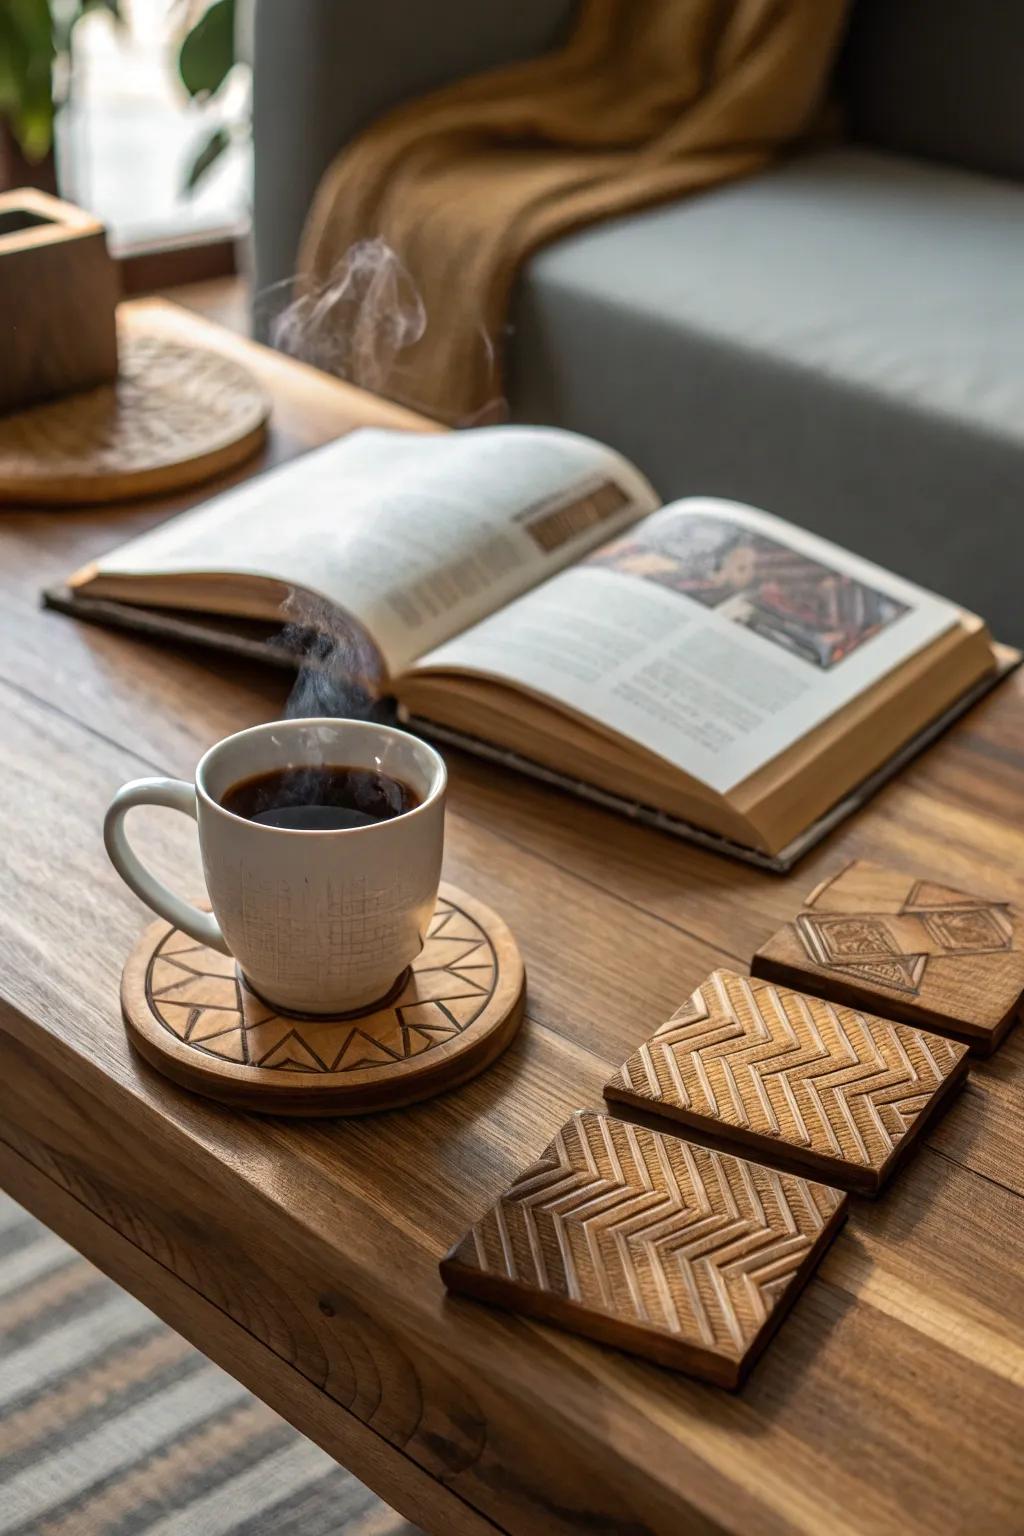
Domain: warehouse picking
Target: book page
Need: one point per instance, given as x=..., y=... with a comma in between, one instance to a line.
x=415, y=535
x=713, y=634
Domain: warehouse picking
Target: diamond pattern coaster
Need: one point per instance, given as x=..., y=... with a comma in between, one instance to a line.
x=910, y=949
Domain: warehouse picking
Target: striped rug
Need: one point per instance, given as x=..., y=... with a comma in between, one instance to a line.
x=111, y=1425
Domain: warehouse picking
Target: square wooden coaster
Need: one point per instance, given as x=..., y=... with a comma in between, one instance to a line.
x=910, y=949
x=669, y=1250
x=811, y=1084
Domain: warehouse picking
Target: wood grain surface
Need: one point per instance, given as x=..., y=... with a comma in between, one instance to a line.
x=913, y=949
x=675, y=1252
x=806, y=1083
x=303, y=1255
x=190, y=1012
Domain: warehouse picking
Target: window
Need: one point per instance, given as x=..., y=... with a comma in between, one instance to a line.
x=129, y=133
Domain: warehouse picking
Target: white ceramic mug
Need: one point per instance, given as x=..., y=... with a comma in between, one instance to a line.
x=319, y=922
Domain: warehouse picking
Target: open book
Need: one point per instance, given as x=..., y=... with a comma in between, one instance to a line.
x=703, y=663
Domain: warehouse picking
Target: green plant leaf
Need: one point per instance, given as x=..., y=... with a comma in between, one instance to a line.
x=9, y=87
x=33, y=127
x=26, y=61
x=208, y=50
x=32, y=32
x=33, y=21
x=210, y=153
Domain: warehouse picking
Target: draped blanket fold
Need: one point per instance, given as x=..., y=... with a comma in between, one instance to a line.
x=647, y=100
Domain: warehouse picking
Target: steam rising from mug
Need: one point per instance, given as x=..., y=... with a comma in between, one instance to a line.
x=339, y=670
x=356, y=323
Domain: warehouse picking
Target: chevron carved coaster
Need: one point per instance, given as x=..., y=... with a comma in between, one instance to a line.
x=910, y=949
x=809, y=1083
x=662, y=1248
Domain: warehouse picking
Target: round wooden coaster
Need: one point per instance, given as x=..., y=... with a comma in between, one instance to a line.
x=177, y=415
x=189, y=1012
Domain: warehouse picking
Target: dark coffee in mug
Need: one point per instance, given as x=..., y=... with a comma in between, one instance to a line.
x=332, y=798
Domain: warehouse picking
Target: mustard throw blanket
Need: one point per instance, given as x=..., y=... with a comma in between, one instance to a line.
x=647, y=100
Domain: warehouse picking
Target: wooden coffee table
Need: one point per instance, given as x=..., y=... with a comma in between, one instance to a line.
x=303, y=1257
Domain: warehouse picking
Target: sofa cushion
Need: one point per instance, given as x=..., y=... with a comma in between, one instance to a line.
x=840, y=340
x=940, y=78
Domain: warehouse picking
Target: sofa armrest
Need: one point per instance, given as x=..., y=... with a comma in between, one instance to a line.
x=323, y=69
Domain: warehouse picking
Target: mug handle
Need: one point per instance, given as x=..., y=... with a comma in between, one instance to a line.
x=175, y=795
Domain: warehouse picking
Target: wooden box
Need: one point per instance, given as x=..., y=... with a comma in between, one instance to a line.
x=58, y=294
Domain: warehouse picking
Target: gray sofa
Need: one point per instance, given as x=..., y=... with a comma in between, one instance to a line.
x=839, y=339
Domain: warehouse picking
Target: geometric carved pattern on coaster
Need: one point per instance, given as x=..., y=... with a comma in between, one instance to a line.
x=656, y=1245
x=190, y=1012
x=806, y=1081
x=911, y=949
x=176, y=415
